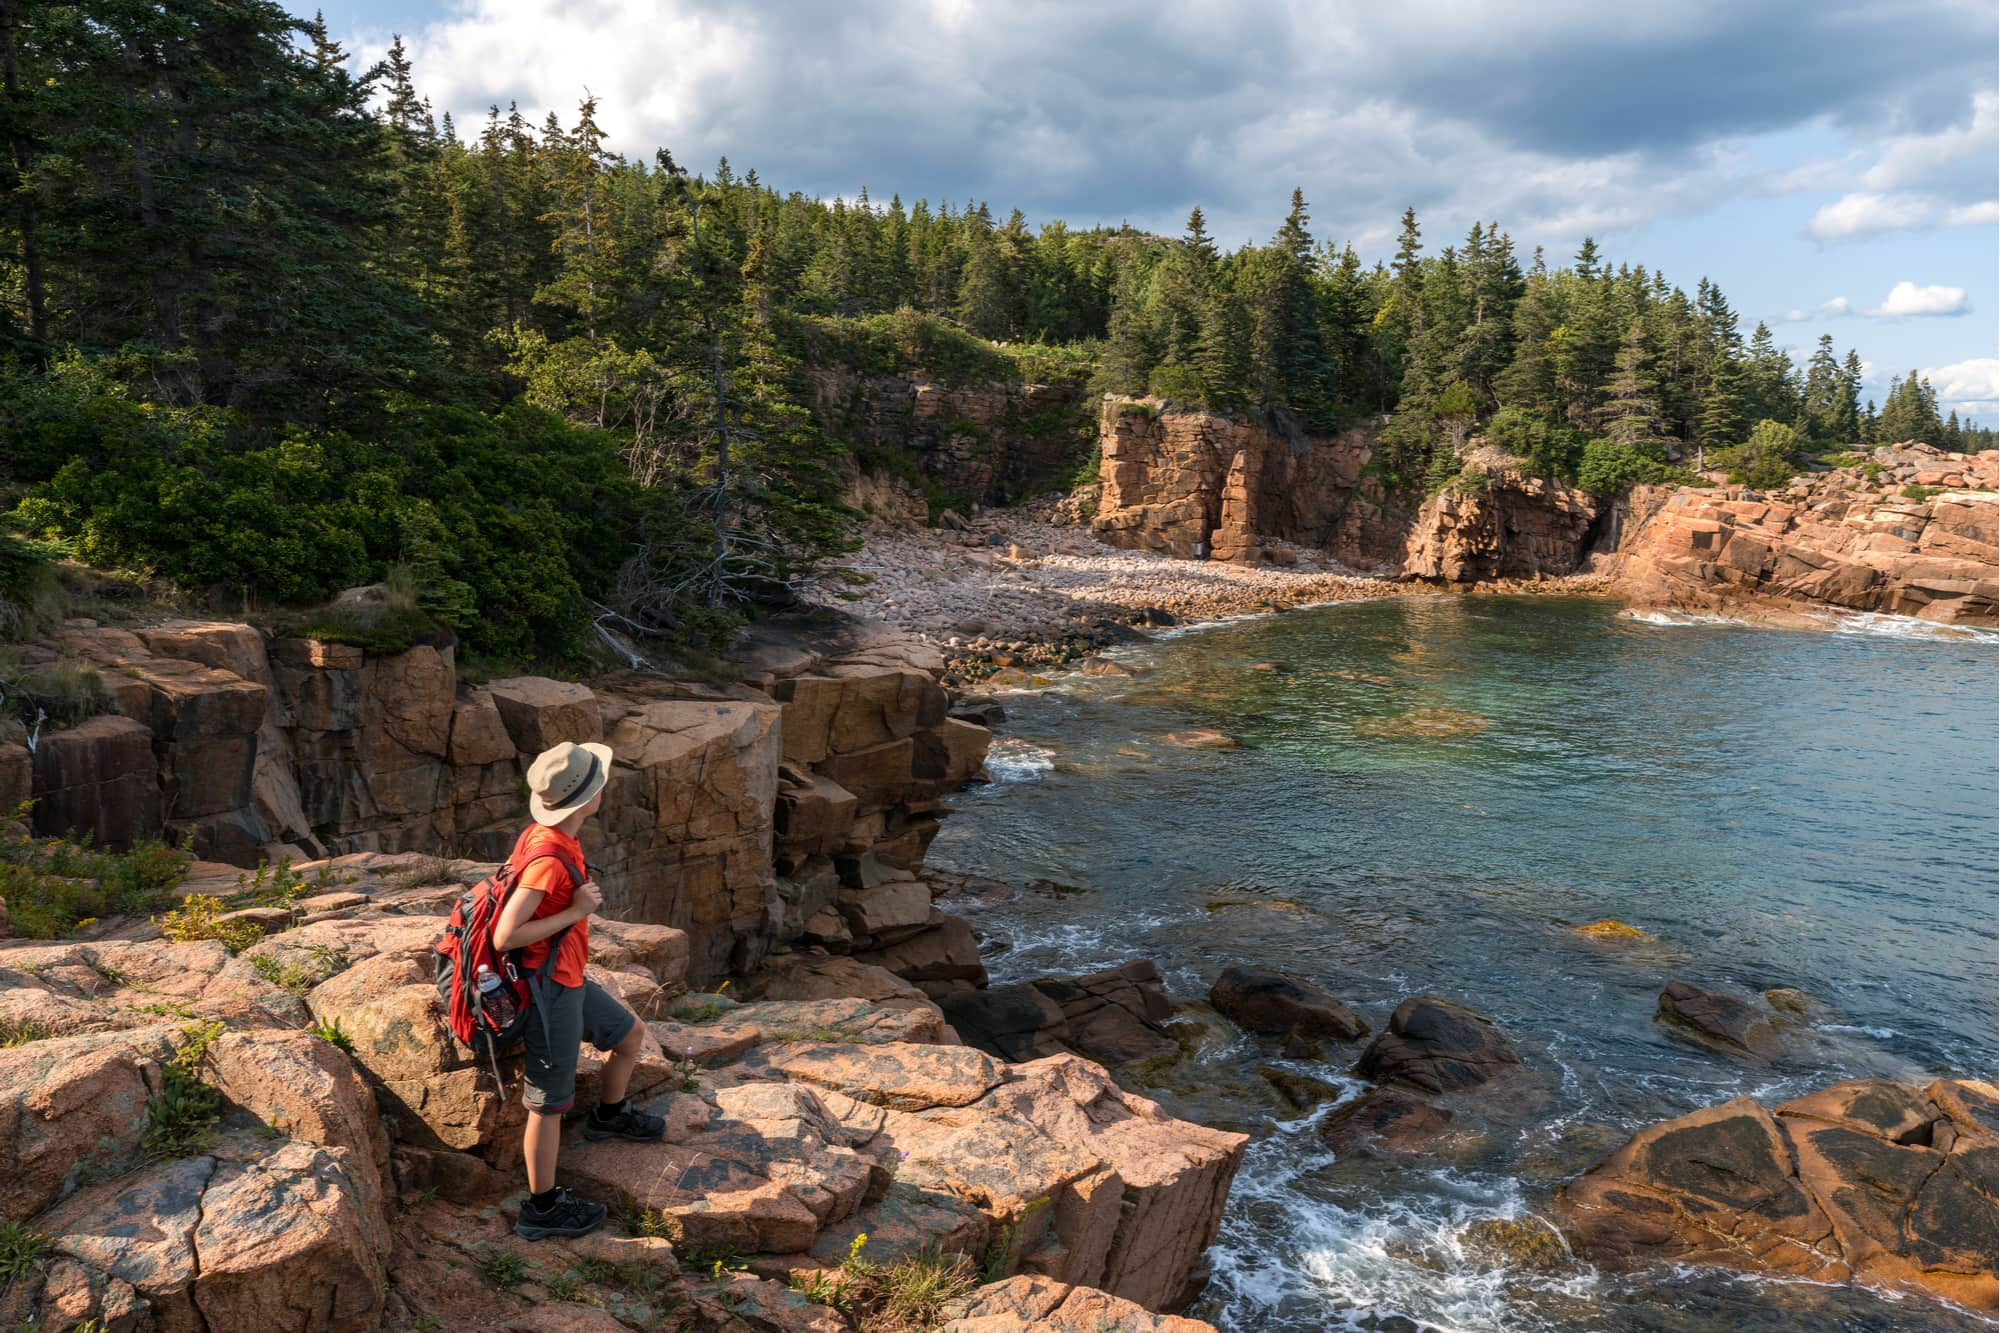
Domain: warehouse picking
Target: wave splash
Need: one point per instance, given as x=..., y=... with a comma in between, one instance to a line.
x=1014, y=760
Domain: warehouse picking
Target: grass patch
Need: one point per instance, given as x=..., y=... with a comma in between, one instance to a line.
x=907, y=1296
x=285, y=974
x=396, y=630
x=329, y=1031
x=21, y=1251
x=421, y=1198
x=181, y=1118
x=503, y=1268
x=52, y=885
x=19, y=1032
x=60, y=693
x=650, y=1223
x=1919, y=494
x=198, y=918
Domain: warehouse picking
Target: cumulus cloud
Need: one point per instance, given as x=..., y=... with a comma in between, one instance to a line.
x=1832, y=308
x=1906, y=298
x=1136, y=109
x=1968, y=385
x=1987, y=211
x=1854, y=215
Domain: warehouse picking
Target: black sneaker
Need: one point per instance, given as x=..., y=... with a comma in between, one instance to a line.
x=630, y=1123
x=566, y=1215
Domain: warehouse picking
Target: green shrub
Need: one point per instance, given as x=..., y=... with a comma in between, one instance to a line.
x=1612, y=467
x=1545, y=448
x=51, y=885
x=1921, y=493
x=21, y=1251
x=198, y=918
x=181, y=1118
x=1767, y=460
x=506, y=520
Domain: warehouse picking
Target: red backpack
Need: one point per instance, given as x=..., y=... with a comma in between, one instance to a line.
x=467, y=945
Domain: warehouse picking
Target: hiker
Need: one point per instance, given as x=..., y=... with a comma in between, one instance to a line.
x=566, y=787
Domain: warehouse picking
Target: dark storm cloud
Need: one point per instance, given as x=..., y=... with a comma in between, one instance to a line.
x=1564, y=116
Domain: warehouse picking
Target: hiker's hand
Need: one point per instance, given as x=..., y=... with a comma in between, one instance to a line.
x=587, y=899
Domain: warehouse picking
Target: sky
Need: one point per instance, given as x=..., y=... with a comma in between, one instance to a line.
x=1835, y=167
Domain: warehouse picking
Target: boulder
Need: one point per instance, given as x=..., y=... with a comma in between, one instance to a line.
x=1013, y=1022
x=249, y=1237
x=1435, y=1046
x=880, y=911
x=1387, y=1119
x=1275, y=1004
x=1722, y=1022
x=1115, y=1015
x=539, y=713
x=1037, y=1304
x=99, y=777
x=1883, y=1183
x=71, y=1109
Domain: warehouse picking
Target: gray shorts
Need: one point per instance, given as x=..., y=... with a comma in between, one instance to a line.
x=575, y=1014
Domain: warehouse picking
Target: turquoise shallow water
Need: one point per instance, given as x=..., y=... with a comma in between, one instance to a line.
x=1427, y=794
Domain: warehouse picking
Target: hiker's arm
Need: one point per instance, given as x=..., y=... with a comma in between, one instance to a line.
x=515, y=930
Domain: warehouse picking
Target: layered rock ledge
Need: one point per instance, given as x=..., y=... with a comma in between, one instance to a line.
x=796, y=1126
x=1883, y=1183
x=1908, y=531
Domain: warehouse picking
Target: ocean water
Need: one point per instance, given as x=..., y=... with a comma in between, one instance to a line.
x=1425, y=796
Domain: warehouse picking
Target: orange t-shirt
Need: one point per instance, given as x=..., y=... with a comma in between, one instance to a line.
x=557, y=889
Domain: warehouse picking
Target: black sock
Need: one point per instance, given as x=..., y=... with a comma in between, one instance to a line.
x=542, y=1202
x=612, y=1110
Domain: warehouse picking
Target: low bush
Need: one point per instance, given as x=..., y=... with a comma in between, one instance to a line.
x=51, y=885
x=183, y=1114
x=199, y=918
x=506, y=520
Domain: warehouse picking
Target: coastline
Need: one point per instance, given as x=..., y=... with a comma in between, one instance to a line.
x=1011, y=590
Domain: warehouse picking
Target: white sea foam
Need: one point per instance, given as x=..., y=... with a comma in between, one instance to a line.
x=1014, y=760
x=1882, y=625
x=1377, y=1257
x=1682, y=619
x=1879, y=1034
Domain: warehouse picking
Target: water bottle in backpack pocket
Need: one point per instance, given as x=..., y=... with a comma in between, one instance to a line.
x=497, y=1010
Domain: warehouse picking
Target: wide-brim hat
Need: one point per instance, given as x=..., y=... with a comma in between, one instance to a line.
x=564, y=778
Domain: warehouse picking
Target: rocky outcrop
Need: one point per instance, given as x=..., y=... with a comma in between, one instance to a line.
x=1503, y=525
x=1198, y=485
x=1441, y=1069
x=1113, y=1016
x=1883, y=1183
x=735, y=814
x=1039, y=1305
x=795, y=1125
x=1908, y=531
x=1278, y=1005
x=984, y=444
x=1722, y=1022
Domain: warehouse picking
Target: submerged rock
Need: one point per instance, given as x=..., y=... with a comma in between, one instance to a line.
x=1276, y=1005
x=1884, y=1183
x=1433, y=1045
x=1719, y=1021
x=1610, y=931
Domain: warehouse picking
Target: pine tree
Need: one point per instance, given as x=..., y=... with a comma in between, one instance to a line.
x=1631, y=412
x=1826, y=395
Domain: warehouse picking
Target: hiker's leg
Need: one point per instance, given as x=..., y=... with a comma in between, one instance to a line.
x=539, y=1146
x=618, y=1065
x=612, y=1028
x=553, y=1039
